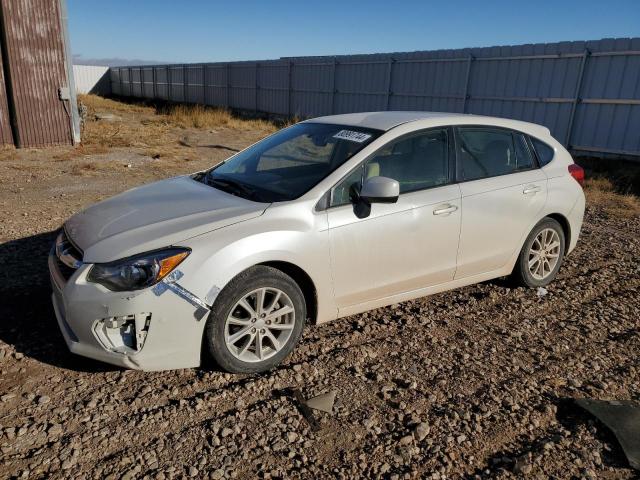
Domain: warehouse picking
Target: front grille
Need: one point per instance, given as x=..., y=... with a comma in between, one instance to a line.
x=68, y=256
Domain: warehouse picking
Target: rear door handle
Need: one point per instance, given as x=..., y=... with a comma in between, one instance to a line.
x=445, y=209
x=529, y=189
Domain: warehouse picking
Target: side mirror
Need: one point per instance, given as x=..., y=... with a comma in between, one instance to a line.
x=380, y=190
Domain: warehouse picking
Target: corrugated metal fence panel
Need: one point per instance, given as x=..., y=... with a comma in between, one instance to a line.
x=610, y=126
x=36, y=66
x=176, y=83
x=273, y=93
x=195, y=84
x=147, y=82
x=115, y=81
x=242, y=82
x=311, y=89
x=360, y=87
x=162, y=82
x=216, y=84
x=92, y=79
x=436, y=86
x=6, y=135
x=586, y=93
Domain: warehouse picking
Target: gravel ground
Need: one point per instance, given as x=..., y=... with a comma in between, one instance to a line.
x=474, y=383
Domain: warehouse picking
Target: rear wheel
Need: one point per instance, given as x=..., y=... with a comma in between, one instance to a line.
x=256, y=321
x=541, y=255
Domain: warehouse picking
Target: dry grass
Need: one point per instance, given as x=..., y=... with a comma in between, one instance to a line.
x=601, y=191
x=95, y=103
x=152, y=129
x=612, y=184
x=199, y=116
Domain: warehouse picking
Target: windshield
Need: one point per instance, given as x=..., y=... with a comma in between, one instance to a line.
x=287, y=164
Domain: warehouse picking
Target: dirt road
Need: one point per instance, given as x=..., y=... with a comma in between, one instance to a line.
x=476, y=382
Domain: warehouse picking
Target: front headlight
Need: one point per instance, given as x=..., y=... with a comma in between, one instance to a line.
x=139, y=271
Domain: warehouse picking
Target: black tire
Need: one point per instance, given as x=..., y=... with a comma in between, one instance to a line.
x=521, y=274
x=254, y=278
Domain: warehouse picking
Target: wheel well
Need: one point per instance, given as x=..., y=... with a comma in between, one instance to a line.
x=304, y=282
x=566, y=228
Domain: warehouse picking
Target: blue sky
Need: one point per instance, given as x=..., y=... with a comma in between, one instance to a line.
x=199, y=31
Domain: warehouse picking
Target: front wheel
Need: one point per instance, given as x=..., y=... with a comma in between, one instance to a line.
x=541, y=255
x=256, y=321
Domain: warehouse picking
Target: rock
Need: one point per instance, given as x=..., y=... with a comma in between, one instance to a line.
x=421, y=431
x=323, y=403
x=107, y=117
x=42, y=399
x=55, y=429
x=187, y=142
x=217, y=474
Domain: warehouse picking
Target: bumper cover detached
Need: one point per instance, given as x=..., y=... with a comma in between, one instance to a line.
x=140, y=330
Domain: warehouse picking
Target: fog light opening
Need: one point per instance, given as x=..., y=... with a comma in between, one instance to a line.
x=125, y=334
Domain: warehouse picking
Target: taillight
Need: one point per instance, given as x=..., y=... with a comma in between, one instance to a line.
x=577, y=172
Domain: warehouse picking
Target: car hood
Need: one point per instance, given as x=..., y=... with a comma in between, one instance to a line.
x=154, y=216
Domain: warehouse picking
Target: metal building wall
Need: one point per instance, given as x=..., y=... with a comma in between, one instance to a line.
x=92, y=79
x=35, y=63
x=586, y=93
x=6, y=135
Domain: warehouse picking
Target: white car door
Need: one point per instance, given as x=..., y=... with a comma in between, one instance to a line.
x=402, y=246
x=502, y=194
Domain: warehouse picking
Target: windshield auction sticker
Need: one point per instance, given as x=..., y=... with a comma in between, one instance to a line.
x=352, y=136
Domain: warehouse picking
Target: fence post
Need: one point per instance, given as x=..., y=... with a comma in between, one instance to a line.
x=130, y=82
x=333, y=85
x=120, y=80
x=289, y=75
x=576, y=98
x=204, y=84
x=390, y=64
x=228, y=88
x=255, y=104
x=466, y=84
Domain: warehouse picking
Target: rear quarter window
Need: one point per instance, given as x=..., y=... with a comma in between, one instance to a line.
x=544, y=152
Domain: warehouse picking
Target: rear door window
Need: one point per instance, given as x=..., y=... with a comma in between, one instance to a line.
x=490, y=152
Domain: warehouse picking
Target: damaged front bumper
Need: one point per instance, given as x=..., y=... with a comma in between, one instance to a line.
x=153, y=329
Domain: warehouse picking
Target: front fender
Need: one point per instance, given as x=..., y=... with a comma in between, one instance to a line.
x=219, y=256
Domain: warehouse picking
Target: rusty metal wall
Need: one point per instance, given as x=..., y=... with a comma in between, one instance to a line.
x=587, y=93
x=35, y=64
x=6, y=135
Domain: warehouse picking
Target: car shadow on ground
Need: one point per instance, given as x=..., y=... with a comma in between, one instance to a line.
x=27, y=319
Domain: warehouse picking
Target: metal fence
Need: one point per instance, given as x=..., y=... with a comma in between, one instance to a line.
x=586, y=93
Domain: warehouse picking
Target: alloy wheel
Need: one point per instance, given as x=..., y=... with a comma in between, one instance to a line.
x=259, y=325
x=544, y=253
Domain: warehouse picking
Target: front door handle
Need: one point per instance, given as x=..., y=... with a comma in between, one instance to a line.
x=445, y=209
x=529, y=189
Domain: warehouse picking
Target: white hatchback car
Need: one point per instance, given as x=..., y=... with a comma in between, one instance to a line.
x=327, y=218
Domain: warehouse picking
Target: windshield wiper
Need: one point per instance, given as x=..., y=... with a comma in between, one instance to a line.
x=234, y=187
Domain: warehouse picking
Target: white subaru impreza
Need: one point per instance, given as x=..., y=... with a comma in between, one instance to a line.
x=327, y=218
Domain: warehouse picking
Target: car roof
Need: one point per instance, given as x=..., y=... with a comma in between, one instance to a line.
x=389, y=119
